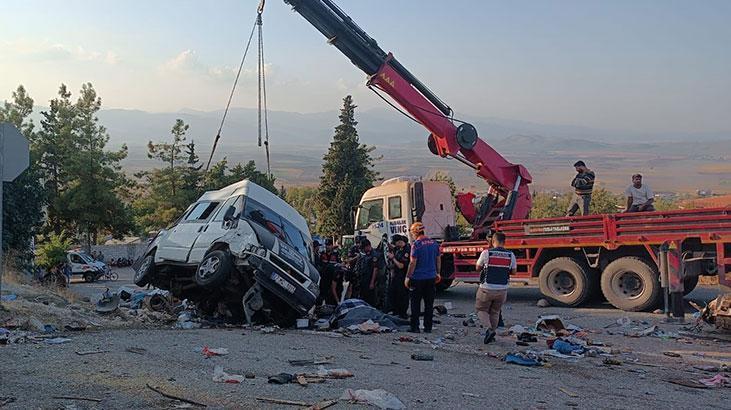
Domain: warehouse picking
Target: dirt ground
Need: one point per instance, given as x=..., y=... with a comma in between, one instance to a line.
x=464, y=373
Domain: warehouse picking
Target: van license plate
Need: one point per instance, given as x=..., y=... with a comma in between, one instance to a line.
x=283, y=283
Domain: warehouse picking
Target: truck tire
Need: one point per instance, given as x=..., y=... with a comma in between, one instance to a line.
x=213, y=270
x=689, y=283
x=88, y=277
x=444, y=284
x=566, y=281
x=631, y=284
x=146, y=271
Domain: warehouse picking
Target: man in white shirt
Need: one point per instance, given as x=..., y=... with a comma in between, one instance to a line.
x=639, y=196
x=496, y=264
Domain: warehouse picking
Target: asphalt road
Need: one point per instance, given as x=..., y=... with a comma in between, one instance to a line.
x=463, y=373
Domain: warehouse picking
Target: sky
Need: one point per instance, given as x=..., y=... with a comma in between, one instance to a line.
x=649, y=66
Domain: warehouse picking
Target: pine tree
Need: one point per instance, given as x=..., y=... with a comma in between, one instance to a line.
x=347, y=172
x=91, y=202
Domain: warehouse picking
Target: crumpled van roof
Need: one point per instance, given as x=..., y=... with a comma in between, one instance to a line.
x=261, y=195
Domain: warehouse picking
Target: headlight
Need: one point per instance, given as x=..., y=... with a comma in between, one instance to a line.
x=257, y=250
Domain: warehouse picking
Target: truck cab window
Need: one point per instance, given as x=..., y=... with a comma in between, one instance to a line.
x=369, y=212
x=394, y=207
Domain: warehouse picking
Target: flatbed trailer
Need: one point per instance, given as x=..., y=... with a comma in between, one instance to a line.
x=616, y=256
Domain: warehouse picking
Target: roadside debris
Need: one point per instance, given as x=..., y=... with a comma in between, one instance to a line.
x=379, y=398
x=671, y=354
x=523, y=359
x=333, y=373
x=282, y=401
x=719, y=380
x=88, y=352
x=281, y=378
x=551, y=323
x=77, y=398
x=422, y=357
x=136, y=350
x=219, y=376
x=311, y=362
x=543, y=303
x=611, y=362
x=170, y=396
x=216, y=351
x=57, y=341
x=718, y=312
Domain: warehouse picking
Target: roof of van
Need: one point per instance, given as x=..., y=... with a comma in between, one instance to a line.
x=259, y=194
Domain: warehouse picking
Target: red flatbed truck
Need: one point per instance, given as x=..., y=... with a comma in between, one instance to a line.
x=579, y=259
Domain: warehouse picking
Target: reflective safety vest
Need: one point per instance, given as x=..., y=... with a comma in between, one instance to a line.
x=497, y=270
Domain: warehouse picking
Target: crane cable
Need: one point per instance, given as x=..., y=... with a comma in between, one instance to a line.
x=262, y=95
x=230, y=97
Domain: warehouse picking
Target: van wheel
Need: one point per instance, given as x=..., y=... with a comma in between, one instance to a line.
x=88, y=277
x=144, y=274
x=632, y=284
x=213, y=270
x=566, y=281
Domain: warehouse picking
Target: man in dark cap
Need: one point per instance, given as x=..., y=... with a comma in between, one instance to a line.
x=367, y=269
x=398, y=264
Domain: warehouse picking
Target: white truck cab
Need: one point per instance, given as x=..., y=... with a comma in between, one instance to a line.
x=393, y=206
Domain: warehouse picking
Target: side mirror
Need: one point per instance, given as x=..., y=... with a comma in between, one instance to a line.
x=229, y=215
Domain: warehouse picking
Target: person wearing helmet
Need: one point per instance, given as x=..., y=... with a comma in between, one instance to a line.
x=421, y=276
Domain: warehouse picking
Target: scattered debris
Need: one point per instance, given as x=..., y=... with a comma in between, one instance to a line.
x=719, y=380
x=334, y=373
x=471, y=395
x=75, y=326
x=671, y=354
x=523, y=359
x=718, y=312
x=219, y=376
x=543, y=303
x=57, y=341
x=441, y=309
x=108, y=303
x=687, y=383
x=569, y=393
x=170, y=396
x=422, y=357
x=566, y=347
x=323, y=405
x=8, y=298
x=303, y=323
x=379, y=398
x=6, y=400
x=88, y=352
x=312, y=362
x=216, y=351
x=77, y=398
x=282, y=401
x=551, y=323
x=281, y=378
x=136, y=350
x=611, y=362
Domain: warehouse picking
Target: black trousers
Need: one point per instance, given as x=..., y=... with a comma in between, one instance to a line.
x=398, y=294
x=422, y=290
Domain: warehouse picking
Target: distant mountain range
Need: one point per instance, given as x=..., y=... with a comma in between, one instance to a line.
x=680, y=161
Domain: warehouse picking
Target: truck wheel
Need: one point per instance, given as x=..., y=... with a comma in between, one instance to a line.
x=689, y=283
x=144, y=274
x=88, y=277
x=213, y=270
x=444, y=284
x=566, y=281
x=631, y=283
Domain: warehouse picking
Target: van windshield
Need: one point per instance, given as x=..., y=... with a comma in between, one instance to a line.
x=280, y=227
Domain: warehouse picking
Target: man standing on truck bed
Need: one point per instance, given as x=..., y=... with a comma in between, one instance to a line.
x=583, y=184
x=422, y=275
x=639, y=196
x=495, y=264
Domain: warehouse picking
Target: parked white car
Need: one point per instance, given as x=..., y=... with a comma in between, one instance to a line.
x=241, y=247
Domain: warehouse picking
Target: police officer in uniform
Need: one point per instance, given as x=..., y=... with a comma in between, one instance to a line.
x=496, y=264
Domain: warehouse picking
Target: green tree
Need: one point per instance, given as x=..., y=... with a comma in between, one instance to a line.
x=304, y=200
x=554, y=205
x=605, y=202
x=91, y=202
x=169, y=152
x=24, y=198
x=347, y=172
x=53, y=250
x=54, y=144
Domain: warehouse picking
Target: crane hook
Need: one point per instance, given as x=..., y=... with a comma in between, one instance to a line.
x=260, y=9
